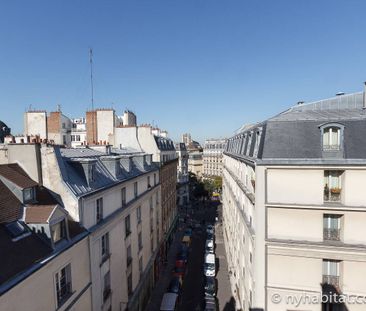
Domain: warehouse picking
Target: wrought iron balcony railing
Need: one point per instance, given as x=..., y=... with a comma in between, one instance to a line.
x=331, y=280
x=331, y=234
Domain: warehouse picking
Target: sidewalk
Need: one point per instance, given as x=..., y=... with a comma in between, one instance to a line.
x=224, y=294
x=166, y=275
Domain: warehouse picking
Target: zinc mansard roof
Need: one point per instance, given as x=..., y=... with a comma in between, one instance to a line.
x=164, y=144
x=295, y=134
x=70, y=161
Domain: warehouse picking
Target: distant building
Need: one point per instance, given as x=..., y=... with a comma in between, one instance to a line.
x=212, y=157
x=195, y=163
x=54, y=127
x=129, y=118
x=294, y=207
x=182, y=174
x=186, y=139
x=4, y=131
x=78, y=132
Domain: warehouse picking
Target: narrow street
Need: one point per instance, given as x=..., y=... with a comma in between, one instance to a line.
x=192, y=296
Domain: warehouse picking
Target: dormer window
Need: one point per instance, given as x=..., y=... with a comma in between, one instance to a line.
x=332, y=137
x=58, y=231
x=28, y=195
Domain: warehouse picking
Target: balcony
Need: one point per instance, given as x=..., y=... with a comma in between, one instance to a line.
x=332, y=195
x=331, y=147
x=331, y=280
x=331, y=234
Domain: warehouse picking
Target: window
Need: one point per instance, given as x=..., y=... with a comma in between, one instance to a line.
x=107, y=286
x=141, y=267
x=148, y=182
x=28, y=194
x=77, y=137
x=140, y=241
x=129, y=284
x=127, y=226
x=63, y=284
x=138, y=214
x=105, y=246
x=91, y=171
x=151, y=203
x=154, y=179
x=135, y=189
x=99, y=209
x=58, y=231
x=123, y=196
x=332, y=186
x=157, y=198
x=64, y=139
x=72, y=137
x=152, y=243
x=129, y=255
x=331, y=272
x=331, y=138
x=331, y=227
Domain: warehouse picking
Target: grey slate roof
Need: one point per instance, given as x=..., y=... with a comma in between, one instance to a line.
x=295, y=133
x=164, y=143
x=70, y=162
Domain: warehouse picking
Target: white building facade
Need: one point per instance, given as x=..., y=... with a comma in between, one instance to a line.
x=212, y=157
x=293, y=208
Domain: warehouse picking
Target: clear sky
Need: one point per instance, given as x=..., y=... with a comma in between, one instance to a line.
x=204, y=67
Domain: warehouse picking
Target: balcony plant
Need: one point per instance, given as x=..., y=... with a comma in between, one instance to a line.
x=335, y=190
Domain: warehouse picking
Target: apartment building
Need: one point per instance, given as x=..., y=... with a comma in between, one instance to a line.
x=182, y=174
x=55, y=126
x=294, y=208
x=115, y=195
x=44, y=252
x=195, y=163
x=154, y=141
x=212, y=157
x=78, y=132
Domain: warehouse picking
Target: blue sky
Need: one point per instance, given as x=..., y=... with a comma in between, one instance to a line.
x=204, y=67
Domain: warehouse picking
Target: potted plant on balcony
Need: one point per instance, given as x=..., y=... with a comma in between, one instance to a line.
x=335, y=190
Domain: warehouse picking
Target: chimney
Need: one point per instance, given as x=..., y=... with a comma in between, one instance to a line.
x=340, y=94
x=300, y=103
x=364, y=96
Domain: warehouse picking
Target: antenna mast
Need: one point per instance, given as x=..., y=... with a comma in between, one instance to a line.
x=91, y=76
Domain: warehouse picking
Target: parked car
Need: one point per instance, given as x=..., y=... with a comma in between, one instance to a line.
x=210, y=236
x=169, y=302
x=175, y=285
x=179, y=271
x=182, y=257
x=210, y=303
x=180, y=263
x=210, y=229
x=209, y=266
x=210, y=286
x=188, y=231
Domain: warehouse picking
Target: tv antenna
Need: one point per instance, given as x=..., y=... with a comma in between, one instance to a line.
x=91, y=76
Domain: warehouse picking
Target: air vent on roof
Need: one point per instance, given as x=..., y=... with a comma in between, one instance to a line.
x=340, y=93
